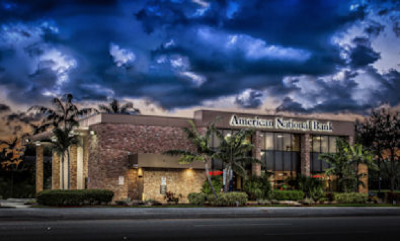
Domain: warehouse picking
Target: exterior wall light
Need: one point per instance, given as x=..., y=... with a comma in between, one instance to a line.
x=140, y=172
x=27, y=140
x=38, y=143
x=92, y=133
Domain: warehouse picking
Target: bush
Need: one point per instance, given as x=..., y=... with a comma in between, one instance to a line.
x=288, y=195
x=197, y=198
x=308, y=184
x=258, y=187
x=392, y=197
x=228, y=199
x=217, y=183
x=351, y=197
x=152, y=202
x=171, y=197
x=317, y=194
x=74, y=197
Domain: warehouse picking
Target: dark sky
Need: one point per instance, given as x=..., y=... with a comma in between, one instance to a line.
x=307, y=56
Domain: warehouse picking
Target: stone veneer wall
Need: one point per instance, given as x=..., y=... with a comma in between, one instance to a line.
x=110, y=146
x=179, y=181
x=305, y=154
x=256, y=167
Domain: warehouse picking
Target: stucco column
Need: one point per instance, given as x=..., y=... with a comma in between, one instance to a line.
x=256, y=167
x=73, y=167
x=39, y=169
x=55, y=171
x=305, y=155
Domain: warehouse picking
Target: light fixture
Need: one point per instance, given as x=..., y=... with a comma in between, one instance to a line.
x=27, y=140
x=279, y=136
x=54, y=139
x=92, y=132
x=38, y=143
x=140, y=172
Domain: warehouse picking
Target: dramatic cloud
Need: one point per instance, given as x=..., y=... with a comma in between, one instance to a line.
x=4, y=108
x=324, y=56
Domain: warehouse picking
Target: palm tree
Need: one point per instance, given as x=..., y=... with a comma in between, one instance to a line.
x=203, y=151
x=344, y=164
x=64, y=116
x=115, y=107
x=61, y=143
x=233, y=151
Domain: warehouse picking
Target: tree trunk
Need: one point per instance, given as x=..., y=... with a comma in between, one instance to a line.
x=209, y=179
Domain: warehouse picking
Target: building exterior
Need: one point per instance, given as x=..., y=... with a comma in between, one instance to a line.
x=123, y=153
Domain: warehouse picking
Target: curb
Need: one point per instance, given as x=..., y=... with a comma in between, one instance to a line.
x=75, y=214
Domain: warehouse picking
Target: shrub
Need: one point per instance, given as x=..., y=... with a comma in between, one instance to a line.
x=392, y=197
x=170, y=197
x=228, y=199
x=288, y=195
x=197, y=198
x=74, y=197
x=257, y=187
x=308, y=184
x=352, y=197
x=317, y=194
x=217, y=183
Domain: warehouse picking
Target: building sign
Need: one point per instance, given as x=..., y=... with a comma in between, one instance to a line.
x=281, y=123
x=121, y=180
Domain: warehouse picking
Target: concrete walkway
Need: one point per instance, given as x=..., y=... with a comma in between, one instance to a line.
x=190, y=213
x=15, y=203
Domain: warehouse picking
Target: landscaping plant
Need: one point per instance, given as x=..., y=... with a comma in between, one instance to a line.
x=257, y=187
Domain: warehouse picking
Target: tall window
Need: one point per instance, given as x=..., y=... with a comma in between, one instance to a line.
x=280, y=153
x=321, y=144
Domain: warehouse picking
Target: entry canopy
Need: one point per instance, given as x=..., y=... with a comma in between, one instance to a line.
x=160, y=161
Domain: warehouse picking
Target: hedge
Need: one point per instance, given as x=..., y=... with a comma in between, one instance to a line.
x=74, y=197
x=197, y=198
x=228, y=199
x=287, y=195
x=351, y=197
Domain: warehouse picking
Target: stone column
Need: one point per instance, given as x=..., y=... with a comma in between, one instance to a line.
x=305, y=155
x=85, y=159
x=55, y=171
x=39, y=169
x=256, y=167
x=73, y=167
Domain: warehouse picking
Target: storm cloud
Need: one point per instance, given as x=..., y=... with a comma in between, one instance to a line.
x=312, y=57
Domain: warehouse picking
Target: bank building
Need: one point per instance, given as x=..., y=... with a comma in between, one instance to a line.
x=124, y=153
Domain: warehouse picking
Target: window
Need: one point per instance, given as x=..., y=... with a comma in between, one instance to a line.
x=281, y=155
x=321, y=144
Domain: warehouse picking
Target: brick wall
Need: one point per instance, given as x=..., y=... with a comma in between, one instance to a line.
x=110, y=146
x=256, y=167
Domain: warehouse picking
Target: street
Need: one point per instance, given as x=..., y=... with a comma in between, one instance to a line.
x=334, y=228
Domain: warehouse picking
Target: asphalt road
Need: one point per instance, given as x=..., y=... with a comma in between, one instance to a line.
x=324, y=229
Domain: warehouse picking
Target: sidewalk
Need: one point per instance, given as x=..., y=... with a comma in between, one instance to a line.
x=46, y=214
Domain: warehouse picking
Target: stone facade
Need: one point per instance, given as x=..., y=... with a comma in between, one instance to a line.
x=179, y=181
x=256, y=167
x=305, y=155
x=55, y=171
x=73, y=167
x=39, y=169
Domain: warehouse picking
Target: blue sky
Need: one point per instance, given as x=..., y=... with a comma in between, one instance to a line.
x=281, y=55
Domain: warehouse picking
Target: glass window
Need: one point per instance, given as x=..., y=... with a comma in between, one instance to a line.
x=269, y=141
x=316, y=164
x=324, y=144
x=296, y=142
x=332, y=144
x=279, y=142
x=287, y=142
x=269, y=158
x=316, y=144
x=262, y=138
x=287, y=161
x=216, y=141
x=296, y=161
x=278, y=161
